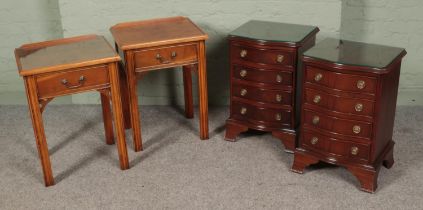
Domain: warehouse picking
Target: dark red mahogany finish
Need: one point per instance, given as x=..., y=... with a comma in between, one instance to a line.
x=348, y=108
x=264, y=62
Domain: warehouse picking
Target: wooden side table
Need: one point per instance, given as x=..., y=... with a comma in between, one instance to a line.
x=162, y=43
x=67, y=66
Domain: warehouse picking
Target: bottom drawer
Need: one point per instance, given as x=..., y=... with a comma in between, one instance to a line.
x=332, y=147
x=260, y=115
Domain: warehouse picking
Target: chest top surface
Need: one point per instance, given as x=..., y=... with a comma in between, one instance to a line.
x=266, y=31
x=62, y=54
x=344, y=52
x=156, y=32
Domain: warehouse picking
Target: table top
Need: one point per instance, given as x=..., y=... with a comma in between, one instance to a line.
x=156, y=32
x=61, y=54
x=273, y=31
x=347, y=52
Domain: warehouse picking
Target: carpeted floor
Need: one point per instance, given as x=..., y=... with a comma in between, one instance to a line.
x=176, y=170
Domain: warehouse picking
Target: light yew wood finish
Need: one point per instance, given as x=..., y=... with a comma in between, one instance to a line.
x=67, y=66
x=163, y=43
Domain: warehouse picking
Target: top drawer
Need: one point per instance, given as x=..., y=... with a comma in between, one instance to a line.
x=340, y=81
x=263, y=56
x=165, y=56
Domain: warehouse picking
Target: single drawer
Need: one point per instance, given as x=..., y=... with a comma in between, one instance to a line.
x=271, y=77
x=62, y=83
x=262, y=95
x=336, y=103
x=165, y=56
x=340, y=81
x=263, y=56
x=332, y=147
x=337, y=126
x=257, y=115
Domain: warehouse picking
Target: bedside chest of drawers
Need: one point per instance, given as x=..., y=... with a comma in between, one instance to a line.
x=263, y=64
x=348, y=107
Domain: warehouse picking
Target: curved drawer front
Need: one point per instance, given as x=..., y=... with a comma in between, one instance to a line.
x=260, y=55
x=337, y=126
x=165, y=56
x=333, y=148
x=270, y=77
x=262, y=95
x=339, y=104
x=259, y=115
x=340, y=81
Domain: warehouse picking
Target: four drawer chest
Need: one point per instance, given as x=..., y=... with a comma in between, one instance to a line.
x=348, y=107
x=263, y=76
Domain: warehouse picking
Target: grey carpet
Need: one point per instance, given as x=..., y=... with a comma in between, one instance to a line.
x=178, y=171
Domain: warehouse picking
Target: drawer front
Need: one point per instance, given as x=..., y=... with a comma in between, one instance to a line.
x=340, y=81
x=244, y=111
x=264, y=56
x=338, y=126
x=339, y=104
x=166, y=56
x=270, y=77
x=71, y=81
x=262, y=95
x=332, y=147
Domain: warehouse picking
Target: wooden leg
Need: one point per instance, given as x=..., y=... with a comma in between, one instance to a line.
x=124, y=97
x=107, y=116
x=118, y=115
x=233, y=129
x=189, y=110
x=133, y=103
x=202, y=90
x=37, y=123
x=367, y=178
x=301, y=161
x=287, y=138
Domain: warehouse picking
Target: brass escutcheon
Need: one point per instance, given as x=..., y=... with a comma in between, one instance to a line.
x=317, y=99
x=243, y=73
x=243, y=110
x=361, y=84
x=243, y=53
x=316, y=120
x=359, y=107
x=354, y=150
x=243, y=92
x=356, y=129
x=318, y=77
x=279, y=58
x=314, y=140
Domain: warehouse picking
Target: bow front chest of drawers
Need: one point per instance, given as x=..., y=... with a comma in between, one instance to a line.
x=348, y=107
x=263, y=64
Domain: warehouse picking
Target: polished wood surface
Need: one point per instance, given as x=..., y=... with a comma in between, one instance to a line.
x=348, y=112
x=78, y=69
x=264, y=73
x=157, y=44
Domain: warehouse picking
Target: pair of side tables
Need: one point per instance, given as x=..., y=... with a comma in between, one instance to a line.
x=333, y=102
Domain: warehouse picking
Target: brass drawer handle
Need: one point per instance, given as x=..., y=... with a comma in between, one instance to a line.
x=316, y=120
x=80, y=83
x=358, y=107
x=278, y=97
x=243, y=53
x=318, y=77
x=243, y=110
x=278, y=78
x=163, y=61
x=361, y=84
x=243, y=73
x=317, y=99
x=354, y=150
x=356, y=129
x=279, y=58
x=278, y=117
x=243, y=92
x=314, y=140
x=173, y=54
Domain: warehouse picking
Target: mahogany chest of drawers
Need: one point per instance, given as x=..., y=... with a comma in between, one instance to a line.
x=263, y=75
x=348, y=107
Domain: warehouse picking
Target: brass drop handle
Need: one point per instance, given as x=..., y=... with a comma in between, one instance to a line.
x=243, y=53
x=356, y=129
x=279, y=58
x=279, y=78
x=173, y=54
x=317, y=99
x=316, y=120
x=163, y=61
x=80, y=83
x=243, y=110
x=318, y=77
x=314, y=140
x=361, y=84
x=359, y=107
x=278, y=117
x=354, y=150
x=243, y=92
x=278, y=97
x=243, y=73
